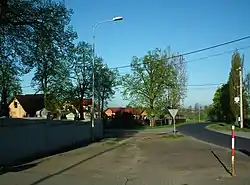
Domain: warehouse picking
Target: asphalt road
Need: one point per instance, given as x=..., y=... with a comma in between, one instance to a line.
x=199, y=131
x=144, y=158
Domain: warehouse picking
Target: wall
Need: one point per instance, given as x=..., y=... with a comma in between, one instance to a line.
x=23, y=138
x=16, y=112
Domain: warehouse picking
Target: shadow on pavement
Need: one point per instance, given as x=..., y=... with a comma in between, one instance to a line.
x=18, y=168
x=246, y=152
x=23, y=161
x=218, y=159
x=74, y=165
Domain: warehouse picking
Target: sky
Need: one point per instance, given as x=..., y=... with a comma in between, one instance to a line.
x=184, y=25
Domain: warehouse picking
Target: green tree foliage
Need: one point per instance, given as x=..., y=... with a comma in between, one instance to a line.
x=54, y=38
x=81, y=72
x=224, y=107
x=176, y=93
x=153, y=80
x=234, y=83
x=10, y=86
x=105, y=83
x=220, y=109
x=247, y=91
x=17, y=22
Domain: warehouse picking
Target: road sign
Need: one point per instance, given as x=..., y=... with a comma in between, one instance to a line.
x=173, y=112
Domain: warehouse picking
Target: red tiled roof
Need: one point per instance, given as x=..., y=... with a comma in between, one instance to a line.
x=86, y=101
x=135, y=111
x=128, y=110
x=115, y=109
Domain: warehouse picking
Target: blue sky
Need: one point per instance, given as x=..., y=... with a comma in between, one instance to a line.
x=183, y=25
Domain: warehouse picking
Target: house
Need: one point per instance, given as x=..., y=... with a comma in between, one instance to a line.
x=26, y=105
x=138, y=113
x=73, y=105
x=112, y=111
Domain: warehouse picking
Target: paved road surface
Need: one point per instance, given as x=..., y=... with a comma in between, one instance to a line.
x=240, y=134
x=144, y=159
x=199, y=131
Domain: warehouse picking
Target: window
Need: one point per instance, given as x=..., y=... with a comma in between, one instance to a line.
x=15, y=104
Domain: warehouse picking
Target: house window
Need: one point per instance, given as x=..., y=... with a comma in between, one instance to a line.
x=15, y=104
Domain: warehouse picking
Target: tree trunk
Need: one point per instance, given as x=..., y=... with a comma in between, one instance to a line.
x=4, y=103
x=102, y=107
x=152, y=120
x=81, y=105
x=99, y=105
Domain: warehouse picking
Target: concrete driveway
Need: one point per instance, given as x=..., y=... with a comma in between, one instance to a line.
x=145, y=158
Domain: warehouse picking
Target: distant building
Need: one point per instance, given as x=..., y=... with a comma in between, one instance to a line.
x=136, y=112
x=73, y=105
x=26, y=105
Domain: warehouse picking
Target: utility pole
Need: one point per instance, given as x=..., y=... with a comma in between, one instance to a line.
x=241, y=98
x=199, y=113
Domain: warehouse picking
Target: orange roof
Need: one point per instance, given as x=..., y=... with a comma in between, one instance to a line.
x=136, y=111
x=114, y=109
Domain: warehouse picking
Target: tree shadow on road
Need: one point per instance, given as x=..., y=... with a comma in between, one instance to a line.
x=223, y=165
x=246, y=152
x=74, y=165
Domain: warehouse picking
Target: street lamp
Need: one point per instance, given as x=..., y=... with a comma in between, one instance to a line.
x=93, y=70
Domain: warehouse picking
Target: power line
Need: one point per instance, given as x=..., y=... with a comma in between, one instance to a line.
x=199, y=50
x=192, y=85
x=216, y=55
x=203, y=58
x=200, y=85
x=198, y=59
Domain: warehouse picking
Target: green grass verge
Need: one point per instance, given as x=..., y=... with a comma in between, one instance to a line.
x=173, y=136
x=226, y=127
x=110, y=141
x=170, y=126
x=138, y=128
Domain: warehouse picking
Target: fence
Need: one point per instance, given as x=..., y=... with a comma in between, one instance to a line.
x=23, y=138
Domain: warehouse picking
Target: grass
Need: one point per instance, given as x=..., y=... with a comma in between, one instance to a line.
x=138, y=128
x=225, y=127
x=173, y=136
x=170, y=126
x=111, y=141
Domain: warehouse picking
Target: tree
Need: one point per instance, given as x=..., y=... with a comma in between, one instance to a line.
x=81, y=71
x=247, y=91
x=220, y=109
x=18, y=12
x=53, y=42
x=233, y=81
x=105, y=81
x=150, y=82
x=176, y=93
x=234, y=91
x=10, y=86
x=17, y=20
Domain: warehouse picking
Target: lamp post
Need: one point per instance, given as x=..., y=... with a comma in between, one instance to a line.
x=93, y=70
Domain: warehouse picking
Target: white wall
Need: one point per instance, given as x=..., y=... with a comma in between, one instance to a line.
x=22, y=138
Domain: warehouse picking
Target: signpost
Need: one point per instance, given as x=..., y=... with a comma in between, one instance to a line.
x=173, y=113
